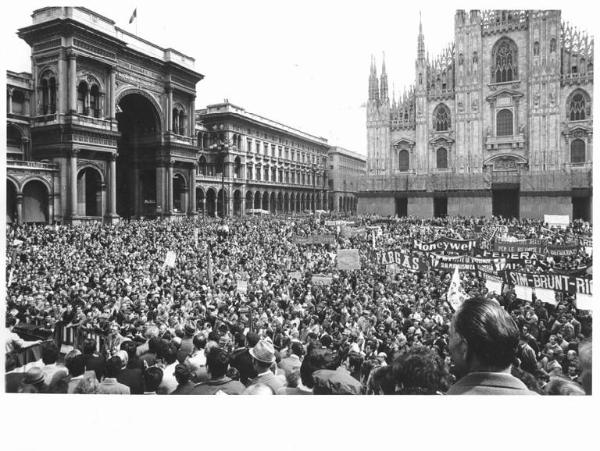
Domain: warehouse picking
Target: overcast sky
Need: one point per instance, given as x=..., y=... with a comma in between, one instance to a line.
x=302, y=63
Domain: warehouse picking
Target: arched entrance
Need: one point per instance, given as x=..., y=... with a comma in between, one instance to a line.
x=35, y=202
x=249, y=201
x=89, y=192
x=139, y=124
x=265, y=201
x=211, y=202
x=273, y=203
x=11, y=202
x=222, y=203
x=237, y=202
x=257, y=200
x=179, y=194
x=280, y=203
x=286, y=202
x=200, y=201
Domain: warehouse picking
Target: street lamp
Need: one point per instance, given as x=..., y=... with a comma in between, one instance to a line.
x=314, y=169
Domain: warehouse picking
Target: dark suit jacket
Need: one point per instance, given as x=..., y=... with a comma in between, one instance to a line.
x=96, y=363
x=184, y=389
x=242, y=360
x=133, y=378
x=483, y=383
x=12, y=382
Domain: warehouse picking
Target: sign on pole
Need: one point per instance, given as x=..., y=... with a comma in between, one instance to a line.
x=348, y=259
x=170, y=259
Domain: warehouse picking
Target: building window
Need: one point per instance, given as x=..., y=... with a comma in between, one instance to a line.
x=82, y=91
x=48, y=88
x=552, y=45
x=504, y=61
x=504, y=123
x=536, y=48
x=403, y=161
x=577, y=151
x=442, y=158
x=95, y=101
x=577, y=107
x=441, y=118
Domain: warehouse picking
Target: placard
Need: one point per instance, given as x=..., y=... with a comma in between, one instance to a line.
x=348, y=259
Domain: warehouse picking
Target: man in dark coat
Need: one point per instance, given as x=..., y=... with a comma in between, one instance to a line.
x=93, y=361
x=241, y=358
x=217, y=363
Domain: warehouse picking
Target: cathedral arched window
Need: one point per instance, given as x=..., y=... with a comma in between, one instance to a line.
x=441, y=118
x=579, y=106
x=577, y=151
x=442, y=158
x=475, y=58
x=461, y=59
x=403, y=161
x=552, y=45
x=504, y=61
x=504, y=123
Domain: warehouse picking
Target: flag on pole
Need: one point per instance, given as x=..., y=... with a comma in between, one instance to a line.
x=133, y=16
x=209, y=271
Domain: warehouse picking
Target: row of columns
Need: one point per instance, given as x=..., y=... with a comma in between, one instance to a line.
x=19, y=204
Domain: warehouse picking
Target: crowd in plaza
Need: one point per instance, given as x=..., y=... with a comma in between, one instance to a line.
x=239, y=311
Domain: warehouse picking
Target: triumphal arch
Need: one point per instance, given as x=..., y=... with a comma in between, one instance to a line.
x=113, y=114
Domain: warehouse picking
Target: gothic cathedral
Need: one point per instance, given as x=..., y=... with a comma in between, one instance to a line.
x=499, y=124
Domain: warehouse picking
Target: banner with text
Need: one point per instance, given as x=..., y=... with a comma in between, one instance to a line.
x=563, y=250
x=534, y=245
x=556, y=282
x=402, y=259
x=445, y=245
x=315, y=239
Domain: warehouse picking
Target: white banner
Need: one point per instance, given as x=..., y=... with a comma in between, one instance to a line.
x=494, y=286
x=584, y=301
x=242, y=286
x=523, y=292
x=545, y=295
x=348, y=259
x=170, y=259
x=561, y=221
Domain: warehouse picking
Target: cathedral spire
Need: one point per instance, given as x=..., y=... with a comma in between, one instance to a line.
x=383, y=84
x=373, y=82
x=421, y=41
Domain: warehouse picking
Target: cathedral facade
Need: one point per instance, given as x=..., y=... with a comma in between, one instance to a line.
x=499, y=124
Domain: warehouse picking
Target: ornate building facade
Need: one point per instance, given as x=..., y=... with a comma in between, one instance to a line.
x=248, y=162
x=500, y=123
x=345, y=170
x=103, y=127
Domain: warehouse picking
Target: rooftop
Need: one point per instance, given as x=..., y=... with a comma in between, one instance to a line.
x=227, y=107
x=348, y=153
x=107, y=26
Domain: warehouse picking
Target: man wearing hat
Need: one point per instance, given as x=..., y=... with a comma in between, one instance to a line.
x=187, y=343
x=263, y=358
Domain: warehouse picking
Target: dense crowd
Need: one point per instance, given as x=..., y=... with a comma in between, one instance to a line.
x=192, y=328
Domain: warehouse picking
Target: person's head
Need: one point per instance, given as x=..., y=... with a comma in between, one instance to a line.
x=152, y=378
x=182, y=374
x=10, y=363
x=316, y=359
x=258, y=389
x=217, y=362
x=420, y=371
x=585, y=362
x=199, y=341
x=130, y=347
x=49, y=353
x=483, y=337
x=251, y=339
x=297, y=349
x=88, y=347
x=11, y=322
x=292, y=377
x=76, y=365
x=263, y=356
x=113, y=366
x=564, y=387
x=170, y=353
x=87, y=386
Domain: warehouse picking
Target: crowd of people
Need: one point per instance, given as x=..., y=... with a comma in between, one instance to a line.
x=239, y=312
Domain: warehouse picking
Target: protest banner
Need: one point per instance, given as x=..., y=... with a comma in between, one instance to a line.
x=562, y=250
x=403, y=259
x=295, y=275
x=467, y=263
x=550, y=281
x=534, y=245
x=348, y=259
x=242, y=286
x=315, y=239
x=455, y=295
x=320, y=279
x=585, y=242
x=445, y=245
x=170, y=259
x=561, y=221
x=196, y=236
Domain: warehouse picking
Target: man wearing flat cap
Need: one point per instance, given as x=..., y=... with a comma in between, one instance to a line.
x=263, y=358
